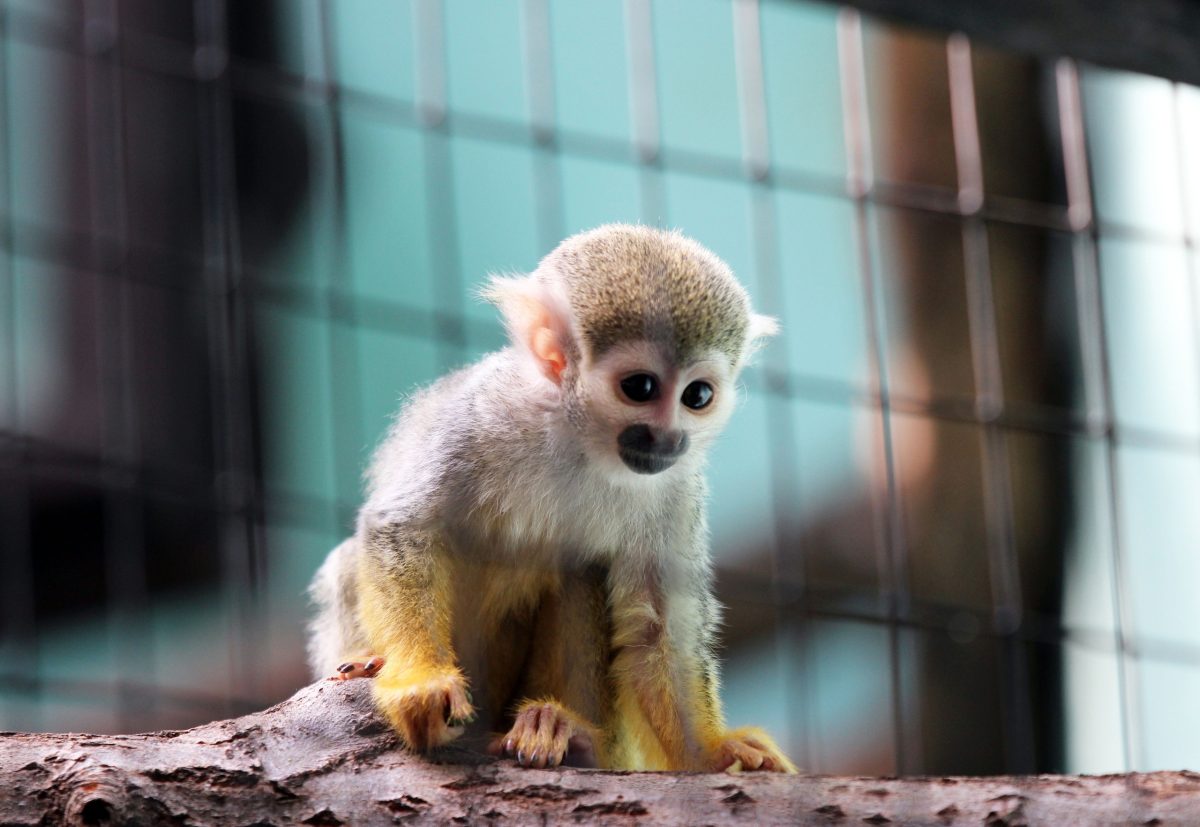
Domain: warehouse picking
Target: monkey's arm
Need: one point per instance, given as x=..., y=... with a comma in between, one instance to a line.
x=405, y=604
x=667, y=682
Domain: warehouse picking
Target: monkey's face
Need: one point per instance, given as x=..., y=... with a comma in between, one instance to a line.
x=644, y=413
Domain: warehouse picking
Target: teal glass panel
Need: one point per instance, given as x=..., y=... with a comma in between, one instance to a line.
x=374, y=46
x=849, y=709
x=191, y=640
x=1092, y=706
x=823, y=311
x=294, y=554
x=57, y=11
x=47, y=168
x=497, y=214
x=716, y=213
x=598, y=192
x=696, y=76
x=391, y=368
x=387, y=215
x=1150, y=327
x=1160, y=532
x=1189, y=130
x=1170, y=717
x=801, y=81
x=297, y=428
x=1132, y=141
x=58, y=357
x=485, y=71
x=756, y=689
x=591, y=75
x=741, y=504
x=833, y=481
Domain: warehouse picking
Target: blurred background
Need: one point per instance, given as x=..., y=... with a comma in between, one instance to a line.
x=957, y=519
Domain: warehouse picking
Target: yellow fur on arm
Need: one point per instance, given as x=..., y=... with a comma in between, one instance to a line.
x=404, y=607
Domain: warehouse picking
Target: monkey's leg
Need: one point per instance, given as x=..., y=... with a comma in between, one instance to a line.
x=565, y=688
x=666, y=679
x=366, y=668
x=404, y=586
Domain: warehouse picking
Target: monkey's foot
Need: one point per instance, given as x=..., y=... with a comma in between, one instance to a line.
x=545, y=734
x=749, y=749
x=429, y=711
x=358, y=669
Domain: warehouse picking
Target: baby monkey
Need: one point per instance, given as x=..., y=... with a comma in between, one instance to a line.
x=535, y=527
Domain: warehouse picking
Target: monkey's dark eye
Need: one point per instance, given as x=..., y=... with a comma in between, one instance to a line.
x=697, y=395
x=641, y=387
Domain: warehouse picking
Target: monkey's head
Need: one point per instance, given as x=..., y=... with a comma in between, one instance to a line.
x=644, y=333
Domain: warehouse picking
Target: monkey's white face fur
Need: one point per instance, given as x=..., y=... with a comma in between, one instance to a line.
x=642, y=414
x=643, y=334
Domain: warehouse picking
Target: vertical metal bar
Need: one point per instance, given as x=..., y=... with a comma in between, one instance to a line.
x=643, y=91
x=430, y=62
x=228, y=309
x=893, y=559
x=439, y=182
x=747, y=42
x=989, y=404
x=1088, y=288
x=539, y=79
x=124, y=509
x=643, y=100
x=1189, y=171
x=787, y=616
x=345, y=393
x=18, y=629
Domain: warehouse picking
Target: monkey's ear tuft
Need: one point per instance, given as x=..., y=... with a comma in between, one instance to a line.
x=761, y=328
x=533, y=319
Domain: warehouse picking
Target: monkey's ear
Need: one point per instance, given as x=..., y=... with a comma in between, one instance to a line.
x=534, y=321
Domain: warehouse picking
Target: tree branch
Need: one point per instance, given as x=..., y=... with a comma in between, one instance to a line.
x=323, y=757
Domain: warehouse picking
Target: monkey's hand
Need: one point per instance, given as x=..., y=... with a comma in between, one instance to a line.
x=351, y=669
x=543, y=734
x=749, y=748
x=428, y=709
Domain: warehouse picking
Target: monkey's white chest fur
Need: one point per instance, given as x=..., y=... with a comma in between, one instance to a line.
x=511, y=483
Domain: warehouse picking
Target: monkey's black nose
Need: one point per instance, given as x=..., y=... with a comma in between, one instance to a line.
x=648, y=451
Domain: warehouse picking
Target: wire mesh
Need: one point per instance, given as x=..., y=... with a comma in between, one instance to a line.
x=290, y=342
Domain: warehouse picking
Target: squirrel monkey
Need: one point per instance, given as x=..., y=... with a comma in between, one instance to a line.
x=535, y=527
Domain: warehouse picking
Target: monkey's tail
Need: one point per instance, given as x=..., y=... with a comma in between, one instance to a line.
x=334, y=634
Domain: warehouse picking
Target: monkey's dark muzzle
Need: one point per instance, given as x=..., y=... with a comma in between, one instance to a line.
x=647, y=451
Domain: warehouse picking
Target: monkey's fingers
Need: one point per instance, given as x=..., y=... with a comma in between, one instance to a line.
x=358, y=669
x=750, y=749
x=543, y=733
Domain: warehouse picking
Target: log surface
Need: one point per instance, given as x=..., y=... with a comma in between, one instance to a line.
x=323, y=757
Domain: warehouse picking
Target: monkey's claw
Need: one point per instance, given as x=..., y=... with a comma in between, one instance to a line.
x=545, y=734
x=427, y=713
x=356, y=669
x=749, y=749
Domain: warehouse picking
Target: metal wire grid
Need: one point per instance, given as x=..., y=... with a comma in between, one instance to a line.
x=231, y=288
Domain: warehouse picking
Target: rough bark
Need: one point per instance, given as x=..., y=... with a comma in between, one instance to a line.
x=323, y=758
